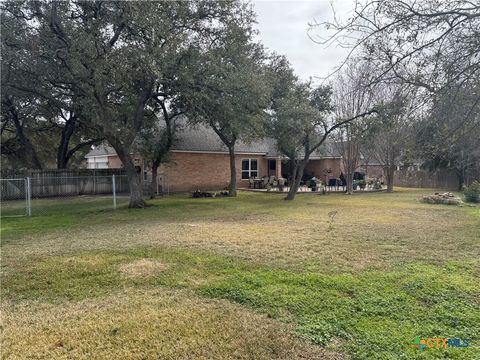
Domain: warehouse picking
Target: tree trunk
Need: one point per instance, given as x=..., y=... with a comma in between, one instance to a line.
x=350, y=160
x=134, y=184
x=389, y=177
x=24, y=140
x=61, y=159
x=349, y=180
x=461, y=179
x=62, y=151
x=297, y=178
x=232, y=189
x=35, y=161
x=153, y=183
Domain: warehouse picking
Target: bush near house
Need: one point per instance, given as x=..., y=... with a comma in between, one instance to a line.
x=472, y=192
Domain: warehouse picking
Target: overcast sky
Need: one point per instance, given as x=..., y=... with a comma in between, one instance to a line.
x=283, y=28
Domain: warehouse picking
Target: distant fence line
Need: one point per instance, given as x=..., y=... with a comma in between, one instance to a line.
x=21, y=196
x=19, y=188
x=66, y=182
x=62, y=182
x=46, y=186
x=441, y=179
x=9, y=173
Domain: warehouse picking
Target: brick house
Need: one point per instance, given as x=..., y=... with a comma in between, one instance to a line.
x=199, y=160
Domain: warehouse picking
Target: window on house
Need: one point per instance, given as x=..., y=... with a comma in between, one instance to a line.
x=249, y=168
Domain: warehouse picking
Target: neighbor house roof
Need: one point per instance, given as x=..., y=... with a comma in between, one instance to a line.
x=201, y=138
x=101, y=150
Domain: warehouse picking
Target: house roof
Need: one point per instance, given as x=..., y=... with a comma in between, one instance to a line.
x=101, y=150
x=327, y=150
x=201, y=138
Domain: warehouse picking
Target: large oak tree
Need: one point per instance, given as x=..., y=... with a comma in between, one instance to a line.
x=111, y=55
x=229, y=90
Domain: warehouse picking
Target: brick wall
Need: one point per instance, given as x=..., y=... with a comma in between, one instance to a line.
x=372, y=171
x=318, y=168
x=204, y=171
x=189, y=171
x=114, y=162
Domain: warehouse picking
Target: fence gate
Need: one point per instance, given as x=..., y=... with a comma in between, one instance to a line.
x=14, y=197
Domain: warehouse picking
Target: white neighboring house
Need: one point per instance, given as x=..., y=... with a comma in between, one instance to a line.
x=98, y=157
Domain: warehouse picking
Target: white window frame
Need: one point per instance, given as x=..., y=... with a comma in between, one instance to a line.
x=98, y=162
x=249, y=171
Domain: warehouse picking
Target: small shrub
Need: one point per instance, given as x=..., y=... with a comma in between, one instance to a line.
x=472, y=192
x=362, y=184
x=375, y=183
x=206, y=194
x=201, y=194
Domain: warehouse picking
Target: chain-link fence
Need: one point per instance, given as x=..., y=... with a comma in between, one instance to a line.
x=42, y=195
x=15, y=197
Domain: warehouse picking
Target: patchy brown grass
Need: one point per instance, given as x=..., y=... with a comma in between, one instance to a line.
x=153, y=324
x=142, y=268
x=371, y=230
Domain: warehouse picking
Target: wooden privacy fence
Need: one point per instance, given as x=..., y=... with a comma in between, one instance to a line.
x=75, y=186
x=441, y=179
x=43, y=183
x=9, y=174
x=55, y=183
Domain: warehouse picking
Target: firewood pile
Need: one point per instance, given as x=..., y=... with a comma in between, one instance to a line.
x=446, y=198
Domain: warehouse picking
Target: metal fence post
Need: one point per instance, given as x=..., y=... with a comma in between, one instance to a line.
x=26, y=195
x=29, y=197
x=114, y=192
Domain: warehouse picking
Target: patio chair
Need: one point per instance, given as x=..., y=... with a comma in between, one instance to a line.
x=264, y=182
x=281, y=183
x=251, y=183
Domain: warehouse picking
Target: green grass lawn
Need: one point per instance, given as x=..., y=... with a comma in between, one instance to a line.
x=254, y=277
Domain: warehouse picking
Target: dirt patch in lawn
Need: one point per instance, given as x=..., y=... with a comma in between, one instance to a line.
x=142, y=268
